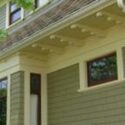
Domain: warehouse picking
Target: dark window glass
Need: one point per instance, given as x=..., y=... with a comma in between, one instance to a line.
x=35, y=89
x=102, y=70
x=35, y=83
x=3, y=94
x=15, y=13
x=36, y=4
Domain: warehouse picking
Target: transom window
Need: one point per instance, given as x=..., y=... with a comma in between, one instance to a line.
x=102, y=69
x=15, y=13
x=3, y=94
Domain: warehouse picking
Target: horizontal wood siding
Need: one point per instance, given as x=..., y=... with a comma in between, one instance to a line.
x=2, y=17
x=100, y=106
x=17, y=99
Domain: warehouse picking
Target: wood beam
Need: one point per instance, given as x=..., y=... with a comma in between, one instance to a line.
x=68, y=40
x=111, y=16
x=92, y=30
x=52, y=49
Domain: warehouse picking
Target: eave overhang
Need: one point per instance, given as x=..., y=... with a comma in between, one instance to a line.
x=50, y=21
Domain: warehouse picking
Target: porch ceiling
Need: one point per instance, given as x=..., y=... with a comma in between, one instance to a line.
x=77, y=34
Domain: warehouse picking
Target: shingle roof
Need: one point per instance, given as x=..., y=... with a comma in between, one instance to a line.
x=56, y=14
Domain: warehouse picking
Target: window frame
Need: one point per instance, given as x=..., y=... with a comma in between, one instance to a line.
x=13, y=12
x=38, y=4
x=90, y=82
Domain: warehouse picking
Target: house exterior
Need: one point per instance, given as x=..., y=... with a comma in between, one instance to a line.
x=63, y=63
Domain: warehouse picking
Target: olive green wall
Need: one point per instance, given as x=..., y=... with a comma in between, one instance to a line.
x=17, y=99
x=2, y=17
x=98, y=106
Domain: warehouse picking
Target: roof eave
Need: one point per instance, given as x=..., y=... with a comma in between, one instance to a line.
x=59, y=25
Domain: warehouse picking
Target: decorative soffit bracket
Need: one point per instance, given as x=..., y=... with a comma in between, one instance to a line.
x=121, y=4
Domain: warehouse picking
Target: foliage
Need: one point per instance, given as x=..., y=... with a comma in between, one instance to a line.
x=2, y=92
x=26, y=4
x=2, y=110
x=3, y=120
x=3, y=33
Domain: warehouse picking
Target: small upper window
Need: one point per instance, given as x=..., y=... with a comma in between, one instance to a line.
x=15, y=13
x=102, y=69
x=40, y=3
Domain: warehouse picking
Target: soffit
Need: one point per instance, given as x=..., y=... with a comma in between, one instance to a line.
x=50, y=17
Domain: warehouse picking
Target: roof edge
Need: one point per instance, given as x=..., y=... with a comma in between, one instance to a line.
x=96, y=7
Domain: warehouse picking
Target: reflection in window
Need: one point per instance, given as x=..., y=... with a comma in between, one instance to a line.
x=15, y=13
x=3, y=95
x=102, y=70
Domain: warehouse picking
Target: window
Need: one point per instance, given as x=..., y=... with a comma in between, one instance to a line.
x=15, y=13
x=102, y=69
x=3, y=94
x=40, y=3
x=35, y=98
x=36, y=4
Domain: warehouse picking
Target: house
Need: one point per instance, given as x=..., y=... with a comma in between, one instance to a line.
x=63, y=63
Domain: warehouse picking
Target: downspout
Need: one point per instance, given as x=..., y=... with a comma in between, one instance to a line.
x=121, y=4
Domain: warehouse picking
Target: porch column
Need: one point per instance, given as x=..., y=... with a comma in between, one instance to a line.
x=17, y=98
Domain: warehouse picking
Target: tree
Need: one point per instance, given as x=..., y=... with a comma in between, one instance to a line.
x=26, y=4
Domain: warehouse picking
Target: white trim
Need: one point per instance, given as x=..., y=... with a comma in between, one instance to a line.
x=7, y=15
x=27, y=111
x=101, y=85
x=22, y=13
x=27, y=98
x=83, y=75
x=120, y=64
x=8, y=100
x=121, y=4
x=83, y=71
x=44, y=112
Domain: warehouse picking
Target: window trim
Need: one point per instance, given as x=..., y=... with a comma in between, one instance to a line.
x=37, y=4
x=8, y=24
x=91, y=83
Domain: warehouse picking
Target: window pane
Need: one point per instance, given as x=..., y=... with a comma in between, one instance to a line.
x=102, y=70
x=3, y=94
x=35, y=83
x=13, y=7
x=15, y=16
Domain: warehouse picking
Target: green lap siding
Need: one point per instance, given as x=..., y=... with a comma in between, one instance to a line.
x=3, y=17
x=67, y=106
x=17, y=99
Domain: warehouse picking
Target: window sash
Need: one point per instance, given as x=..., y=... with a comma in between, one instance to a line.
x=13, y=12
x=112, y=77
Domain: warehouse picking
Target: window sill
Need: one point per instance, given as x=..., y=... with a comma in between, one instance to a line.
x=14, y=24
x=100, y=86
